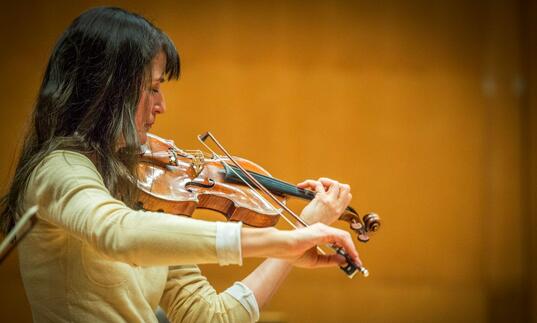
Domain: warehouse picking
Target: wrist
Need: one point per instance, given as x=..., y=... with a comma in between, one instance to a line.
x=283, y=263
x=263, y=242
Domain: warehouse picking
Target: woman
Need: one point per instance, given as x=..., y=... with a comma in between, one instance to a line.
x=90, y=257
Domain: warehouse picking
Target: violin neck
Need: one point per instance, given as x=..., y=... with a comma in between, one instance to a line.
x=275, y=186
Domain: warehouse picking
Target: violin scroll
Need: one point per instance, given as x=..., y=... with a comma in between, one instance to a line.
x=371, y=222
x=362, y=226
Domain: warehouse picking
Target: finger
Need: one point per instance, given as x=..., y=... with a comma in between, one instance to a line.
x=329, y=260
x=327, y=182
x=319, y=188
x=311, y=184
x=344, y=191
x=306, y=183
x=344, y=196
x=344, y=240
x=333, y=190
x=345, y=203
x=325, y=234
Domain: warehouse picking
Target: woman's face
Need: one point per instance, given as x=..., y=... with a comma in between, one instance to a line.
x=151, y=100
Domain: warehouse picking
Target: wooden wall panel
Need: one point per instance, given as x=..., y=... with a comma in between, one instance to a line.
x=411, y=103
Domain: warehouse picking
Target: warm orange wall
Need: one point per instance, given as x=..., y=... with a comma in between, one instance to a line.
x=531, y=154
x=415, y=104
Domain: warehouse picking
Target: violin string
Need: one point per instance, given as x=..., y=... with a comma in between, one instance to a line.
x=285, y=187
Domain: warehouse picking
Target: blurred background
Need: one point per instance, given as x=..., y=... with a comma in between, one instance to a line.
x=428, y=109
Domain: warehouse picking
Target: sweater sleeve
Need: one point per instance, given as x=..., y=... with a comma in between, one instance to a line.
x=71, y=194
x=188, y=297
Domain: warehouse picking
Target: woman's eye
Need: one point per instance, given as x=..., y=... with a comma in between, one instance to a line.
x=154, y=90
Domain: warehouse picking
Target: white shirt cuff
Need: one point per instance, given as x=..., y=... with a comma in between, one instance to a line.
x=246, y=297
x=228, y=243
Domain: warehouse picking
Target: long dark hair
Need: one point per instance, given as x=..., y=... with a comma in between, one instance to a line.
x=88, y=98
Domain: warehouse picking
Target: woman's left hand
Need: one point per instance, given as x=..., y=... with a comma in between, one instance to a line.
x=331, y=199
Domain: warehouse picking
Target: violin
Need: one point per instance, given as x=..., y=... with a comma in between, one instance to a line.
x=177, y=181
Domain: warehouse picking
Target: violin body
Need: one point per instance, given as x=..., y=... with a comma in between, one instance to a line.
x=172, y=183
x=177, y=181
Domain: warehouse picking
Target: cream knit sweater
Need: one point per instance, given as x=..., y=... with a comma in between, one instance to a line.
x=90, y=258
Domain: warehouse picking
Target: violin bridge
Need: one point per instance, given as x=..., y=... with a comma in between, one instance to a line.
x=198, y=161
x=172, y=156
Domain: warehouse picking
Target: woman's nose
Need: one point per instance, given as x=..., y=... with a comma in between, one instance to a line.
x=160, y=106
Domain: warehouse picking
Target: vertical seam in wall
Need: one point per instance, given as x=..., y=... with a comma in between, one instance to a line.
x=525, y=165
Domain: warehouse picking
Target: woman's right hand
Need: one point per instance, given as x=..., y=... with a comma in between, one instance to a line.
x=298, y=246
